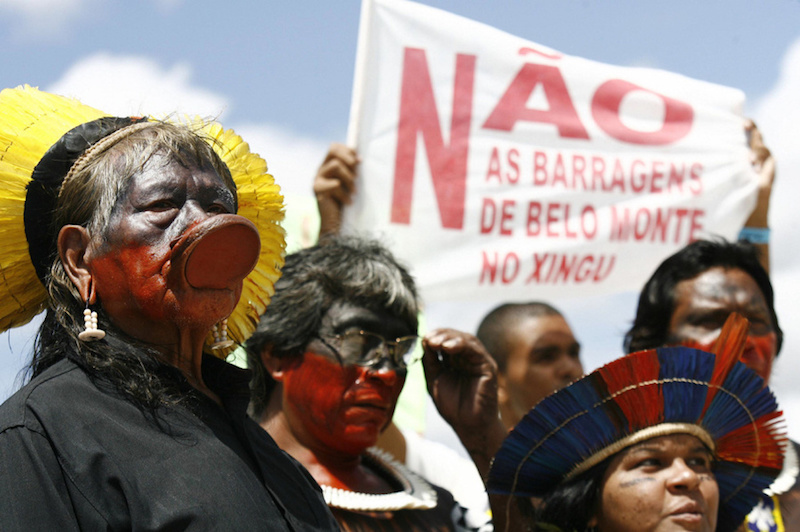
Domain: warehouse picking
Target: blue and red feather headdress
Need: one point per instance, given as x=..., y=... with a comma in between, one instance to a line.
x=670, y=390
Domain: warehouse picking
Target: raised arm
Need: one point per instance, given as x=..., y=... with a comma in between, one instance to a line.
x=334, y=186
x=462, y=380
x=764, y=164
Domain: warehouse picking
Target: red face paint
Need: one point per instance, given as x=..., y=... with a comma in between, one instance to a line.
x=134, y=268
x=703, y=303
x=133, y=289
x=338, y=408
x=759, y=353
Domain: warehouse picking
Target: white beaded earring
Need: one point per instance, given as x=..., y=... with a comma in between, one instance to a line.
x=91, y=331
x=220, y=332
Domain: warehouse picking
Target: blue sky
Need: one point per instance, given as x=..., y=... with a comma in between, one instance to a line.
x=281, y=74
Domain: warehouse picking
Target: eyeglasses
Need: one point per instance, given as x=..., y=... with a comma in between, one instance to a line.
x=363, y=348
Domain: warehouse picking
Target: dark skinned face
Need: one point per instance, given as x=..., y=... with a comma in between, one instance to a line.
x=703, y=303
x=131, y=267
x=543, y=357
x=342, y=408
x=660, y=485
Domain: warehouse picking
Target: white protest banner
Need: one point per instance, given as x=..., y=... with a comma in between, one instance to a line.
x=497, y=168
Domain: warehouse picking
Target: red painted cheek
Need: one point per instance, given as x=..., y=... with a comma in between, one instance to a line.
x=314, y=389
x=344, y=408
x=130, y=278
x=759, y=354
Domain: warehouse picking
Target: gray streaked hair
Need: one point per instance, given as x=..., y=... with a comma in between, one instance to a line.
x=339, y=269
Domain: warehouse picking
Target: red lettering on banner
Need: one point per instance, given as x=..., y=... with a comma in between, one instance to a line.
x=488, y=269
x=696, y=184
x=578, y=166
x=494, y=167
x=539, y=168
x=554, y=221
x=553, y=268
x=491, y=217
x=571, y=171
x=618, y=177
x=676, y=176
x=538, y=264
x=678, y=116
x=495, y=171
x=637, y=185
x=490, y=209
x=598, y=168
x=564, y=270
x=588, y=215
x=656, y=225
x=695, y=226
x=599, y=274
x=508, y=269
x=534, y=213
x=584, y=269
x=513, y=162
x=559, y=175
x=418, y=115
x=656, y=175
x=512, y=105
x=507, y=216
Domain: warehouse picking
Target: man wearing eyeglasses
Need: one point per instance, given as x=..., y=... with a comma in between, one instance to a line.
x=330, y=357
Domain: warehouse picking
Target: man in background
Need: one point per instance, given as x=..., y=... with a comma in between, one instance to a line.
x=535, y=351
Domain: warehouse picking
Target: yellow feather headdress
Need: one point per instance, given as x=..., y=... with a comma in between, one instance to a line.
x=31, y=121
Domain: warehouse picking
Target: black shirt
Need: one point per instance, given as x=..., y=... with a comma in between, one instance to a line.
x=75, y=455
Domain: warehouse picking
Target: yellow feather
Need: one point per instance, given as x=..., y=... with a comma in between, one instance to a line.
x=30, y=122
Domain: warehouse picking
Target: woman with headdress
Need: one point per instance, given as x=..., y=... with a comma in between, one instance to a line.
x=667, y=439
x=132, y=243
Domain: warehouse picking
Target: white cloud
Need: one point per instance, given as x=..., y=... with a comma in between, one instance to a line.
x=293, y=161
x=778, y=117
x=291, y=158
x=125, y=85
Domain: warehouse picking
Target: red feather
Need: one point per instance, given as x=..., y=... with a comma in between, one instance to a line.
x=745, y=444
x=728, y=348
x=632, y=382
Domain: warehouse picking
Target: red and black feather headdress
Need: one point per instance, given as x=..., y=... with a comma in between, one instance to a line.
x=670, y=390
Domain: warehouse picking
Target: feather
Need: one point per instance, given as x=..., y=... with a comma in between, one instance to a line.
x=728, y=348
x=30, y=122
x=641, y=405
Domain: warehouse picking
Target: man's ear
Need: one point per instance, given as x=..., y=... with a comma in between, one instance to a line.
x=274, y=365
x=73, y=244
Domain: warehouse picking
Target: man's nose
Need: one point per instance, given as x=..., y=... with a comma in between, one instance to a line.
x=385, y=371
x=682, y=477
